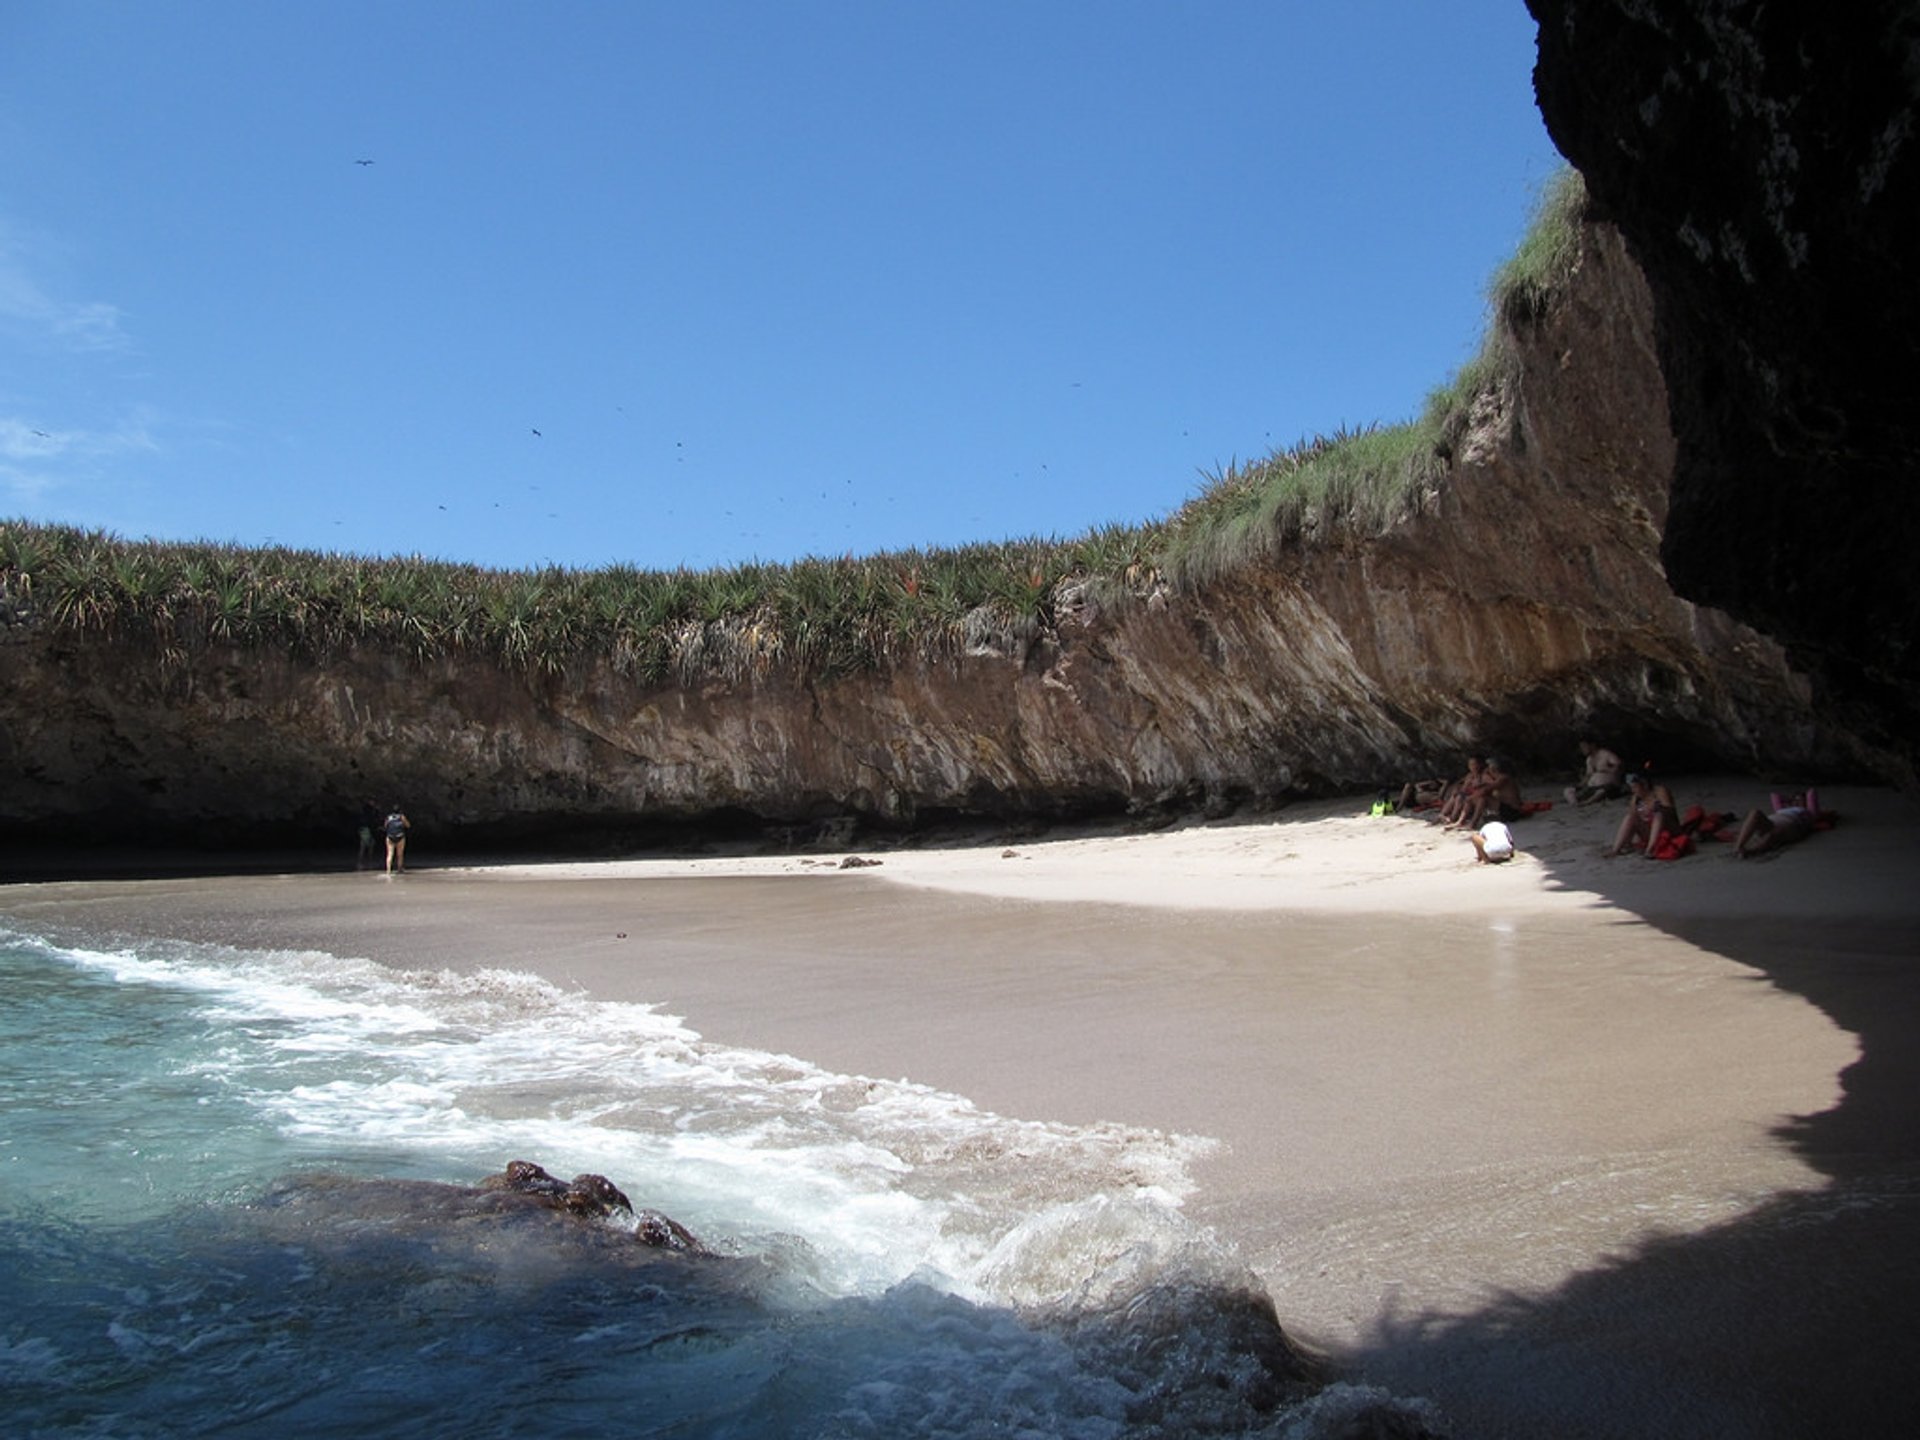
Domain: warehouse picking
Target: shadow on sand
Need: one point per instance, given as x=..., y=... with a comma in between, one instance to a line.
x=1796, y=1320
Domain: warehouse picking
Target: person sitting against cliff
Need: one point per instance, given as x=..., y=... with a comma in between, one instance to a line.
x=1423, y=794
x=1650, y=813
x=1492, y=843
x=1600, y=779
x=1463, y=792
x=396, y=826
x=1499, y=799
x=1793, y=818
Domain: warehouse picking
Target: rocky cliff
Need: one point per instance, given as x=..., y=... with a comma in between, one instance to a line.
x=1764, y=166
x=1514, y=602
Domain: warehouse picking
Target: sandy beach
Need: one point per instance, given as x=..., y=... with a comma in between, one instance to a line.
x=1572, y=1145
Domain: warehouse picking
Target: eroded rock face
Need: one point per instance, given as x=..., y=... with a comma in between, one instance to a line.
x=1763, y=162
x=1517, y=603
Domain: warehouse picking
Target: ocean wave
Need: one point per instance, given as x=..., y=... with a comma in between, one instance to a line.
x=888, y=1259
x=450, y=1072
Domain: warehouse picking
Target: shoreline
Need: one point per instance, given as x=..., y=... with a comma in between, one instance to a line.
x=1441, y=1090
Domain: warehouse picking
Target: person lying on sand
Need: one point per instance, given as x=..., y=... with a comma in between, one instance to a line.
x=1794, y=818
x=1423, y=794
x=1650, y=812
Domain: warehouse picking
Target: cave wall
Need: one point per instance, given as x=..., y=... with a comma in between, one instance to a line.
x=1515, y=603
x=1763, y=163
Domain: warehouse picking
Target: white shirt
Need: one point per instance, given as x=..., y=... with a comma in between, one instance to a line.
x=1498, y=838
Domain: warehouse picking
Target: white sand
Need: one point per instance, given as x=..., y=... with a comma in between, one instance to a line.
x=1332, y=857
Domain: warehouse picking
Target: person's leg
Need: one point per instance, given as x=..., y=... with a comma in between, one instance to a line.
x=1790, y=831
x=1755, y=828
x=1479, y=847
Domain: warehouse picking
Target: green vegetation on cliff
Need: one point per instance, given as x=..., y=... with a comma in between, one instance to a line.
x=818, y=615
x=1360, y=480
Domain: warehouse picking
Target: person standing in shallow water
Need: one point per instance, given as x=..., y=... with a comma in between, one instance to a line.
x=397, y=826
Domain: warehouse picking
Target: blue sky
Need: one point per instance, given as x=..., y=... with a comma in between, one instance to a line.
x=697, y=283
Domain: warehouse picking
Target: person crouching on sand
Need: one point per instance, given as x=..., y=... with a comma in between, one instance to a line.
x=1492, y=843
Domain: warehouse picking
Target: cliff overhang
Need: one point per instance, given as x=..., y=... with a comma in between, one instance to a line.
x=1764, y=169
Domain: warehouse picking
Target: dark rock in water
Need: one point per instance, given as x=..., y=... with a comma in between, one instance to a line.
x=525, y=1264
x=664, y=1233
x=1763, y=164
x=1206, y=1348
x=594, y=1196
x=583, y=1195
x=523, y=1196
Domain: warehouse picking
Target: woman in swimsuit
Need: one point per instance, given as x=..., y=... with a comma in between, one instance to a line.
x=1650, y=811
x=1793, y=818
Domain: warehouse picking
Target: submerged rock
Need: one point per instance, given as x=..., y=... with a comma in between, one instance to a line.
x=523, y=1197
x=595, y=1196
x=583, y=1195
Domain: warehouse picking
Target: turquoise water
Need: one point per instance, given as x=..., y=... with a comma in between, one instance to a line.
x=221, y=1214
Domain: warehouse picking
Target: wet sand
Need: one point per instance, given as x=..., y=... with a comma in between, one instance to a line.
x=1573, y=1146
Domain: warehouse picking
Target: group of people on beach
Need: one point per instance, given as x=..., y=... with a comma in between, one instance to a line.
x=1655, y=826
x=1486, y=800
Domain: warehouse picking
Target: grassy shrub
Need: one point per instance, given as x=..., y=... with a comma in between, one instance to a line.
x=1547, y=254
x=830, y=615
x=1361, y=480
